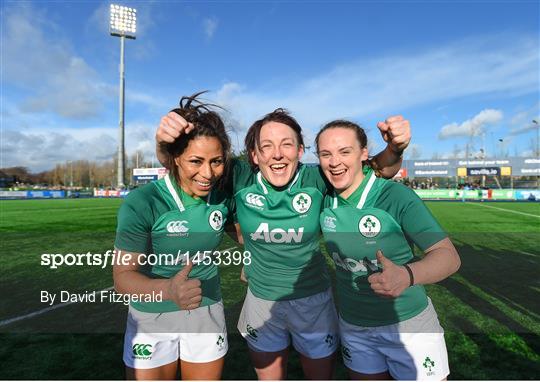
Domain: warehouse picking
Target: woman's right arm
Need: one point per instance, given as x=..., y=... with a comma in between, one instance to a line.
x=185, y=292
x=440, y=261
x=170, y=127
x=240, y=240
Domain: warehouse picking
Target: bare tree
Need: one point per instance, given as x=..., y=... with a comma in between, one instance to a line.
x=455, y=152
x=412, y=152
x=533, y=147
x=137, y=159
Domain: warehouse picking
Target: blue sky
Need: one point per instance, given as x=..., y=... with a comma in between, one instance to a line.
x=458, y=70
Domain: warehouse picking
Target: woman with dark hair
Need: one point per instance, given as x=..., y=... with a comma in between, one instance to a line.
x=278, y=201
x=388, y=326
x=174, y=219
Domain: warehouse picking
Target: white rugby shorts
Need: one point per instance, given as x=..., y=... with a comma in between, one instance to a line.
x=311, y=322
x=413, y=349
x=157, y=339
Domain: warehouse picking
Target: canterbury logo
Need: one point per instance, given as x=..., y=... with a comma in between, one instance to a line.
x=255, y=200
x=177, y=226
x=346, y=352
x=142, y=350
x=252, y=332
x=330, y=222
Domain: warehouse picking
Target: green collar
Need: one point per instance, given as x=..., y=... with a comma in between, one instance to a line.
x=265, y=184
x=181, y=198
x=358, y=197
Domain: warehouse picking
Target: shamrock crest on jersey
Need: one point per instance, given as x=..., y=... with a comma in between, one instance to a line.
x=301, y=202
x=216, y=220
x=428, y=364
x=329, y=340
x=220, y=342
x=369, y=226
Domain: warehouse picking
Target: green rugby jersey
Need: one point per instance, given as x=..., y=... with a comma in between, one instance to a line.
x=280, y=227
x=384, y=215
x=160, y=218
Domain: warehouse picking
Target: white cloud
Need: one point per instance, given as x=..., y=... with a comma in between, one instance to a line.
x=472, y=127
x=63, y=83
x=524, y=121
x=156, y=102
x=40, y=148
x=98, y=21
x=380, y=86
x=524, y=129
x=210, y=26
x=36, y=59
x=519, y=118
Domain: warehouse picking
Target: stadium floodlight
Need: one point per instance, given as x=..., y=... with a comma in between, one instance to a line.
x=537, y=137
x=537, y=149
x=123, y=21
x=123, y=24
x=70, y=173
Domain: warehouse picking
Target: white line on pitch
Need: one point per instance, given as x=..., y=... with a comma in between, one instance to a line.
x=503, y=209
x=54, y=307
x=41, y=311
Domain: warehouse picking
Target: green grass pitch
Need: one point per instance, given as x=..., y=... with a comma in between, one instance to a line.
x=490, y=310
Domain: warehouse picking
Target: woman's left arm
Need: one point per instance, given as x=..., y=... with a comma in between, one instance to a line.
x=396, y=132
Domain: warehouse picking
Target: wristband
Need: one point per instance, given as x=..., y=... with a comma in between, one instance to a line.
x=411, y=275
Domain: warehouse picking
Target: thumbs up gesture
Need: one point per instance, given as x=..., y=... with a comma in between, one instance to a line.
x=393, y=279
x=185, y=292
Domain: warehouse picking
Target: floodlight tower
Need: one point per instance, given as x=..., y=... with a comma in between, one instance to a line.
x=537, y=137
x=537, y=149
x=123, y=23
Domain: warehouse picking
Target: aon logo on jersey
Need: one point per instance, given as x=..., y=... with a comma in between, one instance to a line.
x=277, y=235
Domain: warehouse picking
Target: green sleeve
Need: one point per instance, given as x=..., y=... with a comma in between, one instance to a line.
x=134, y=228
x=314, y=177
x=416, y=220
x=242, y=175
x=231, y=206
